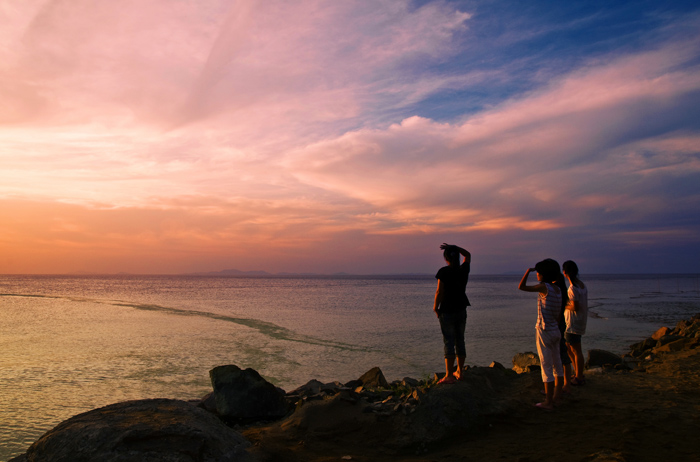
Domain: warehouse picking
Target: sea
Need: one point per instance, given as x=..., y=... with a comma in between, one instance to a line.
x=69, y=344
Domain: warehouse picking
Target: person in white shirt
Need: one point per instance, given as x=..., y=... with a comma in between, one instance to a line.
x=576, y=317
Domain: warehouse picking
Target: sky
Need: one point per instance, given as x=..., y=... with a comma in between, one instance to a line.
x=176, y=136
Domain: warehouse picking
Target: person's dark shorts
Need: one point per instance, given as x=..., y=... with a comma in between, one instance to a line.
x=572, y=339
x=453, y=325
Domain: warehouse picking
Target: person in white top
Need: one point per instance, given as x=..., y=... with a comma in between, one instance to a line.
x=547, y=330
x=576, y=317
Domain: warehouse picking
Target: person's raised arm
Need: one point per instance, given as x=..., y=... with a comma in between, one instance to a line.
x=536, y=288
x=463, y=252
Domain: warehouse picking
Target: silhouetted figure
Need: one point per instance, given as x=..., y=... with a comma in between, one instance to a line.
x=451, y=308
x=576, y=319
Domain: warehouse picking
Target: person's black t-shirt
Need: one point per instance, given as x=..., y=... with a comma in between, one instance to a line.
x=454, y=284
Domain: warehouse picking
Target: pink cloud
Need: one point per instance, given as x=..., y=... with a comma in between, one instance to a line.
x=209, y=128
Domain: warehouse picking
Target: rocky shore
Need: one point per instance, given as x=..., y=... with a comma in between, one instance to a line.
x=642, y=405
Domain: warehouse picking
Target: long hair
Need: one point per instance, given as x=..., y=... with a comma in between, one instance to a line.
x=546, y=270
x=571, y=269
x=551, y=272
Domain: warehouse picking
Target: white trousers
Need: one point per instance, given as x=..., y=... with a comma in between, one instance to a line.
x=548, y=350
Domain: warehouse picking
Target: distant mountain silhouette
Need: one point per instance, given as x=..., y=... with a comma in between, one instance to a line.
x=233, y=272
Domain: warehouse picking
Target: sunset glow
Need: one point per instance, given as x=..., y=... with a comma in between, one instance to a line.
x=160, y=136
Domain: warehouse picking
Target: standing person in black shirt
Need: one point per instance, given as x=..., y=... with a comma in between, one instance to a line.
x=451, y=308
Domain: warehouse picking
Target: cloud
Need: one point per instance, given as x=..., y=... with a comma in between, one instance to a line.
x=207, y=129
x=611, y=144
x=164, y=63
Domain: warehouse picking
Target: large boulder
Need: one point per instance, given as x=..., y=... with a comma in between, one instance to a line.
x=451, y=410
x=602, y=358
x=335, y=417
x=523, y=361
x=153, y=430
x=244, y=396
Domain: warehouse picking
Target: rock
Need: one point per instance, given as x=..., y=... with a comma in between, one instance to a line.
x=688, y=328
x=631, y=362
x=208, y=403
x=244, y=396
x=410, y=382
x=451, y=410
x=605, y=456
x=660, y=333
x=676, y=345
x=497, y=365
x=602, y=358
x=522, y=361
x=334, y=417
x=418, y=395
x=374, y=378
x=312, y=387
x=354, y=383
x=667, y=339
x=639, y=349
x=151, y=430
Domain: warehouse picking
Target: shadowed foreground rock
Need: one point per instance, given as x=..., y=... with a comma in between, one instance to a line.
x=409, y=416
x=153, y=430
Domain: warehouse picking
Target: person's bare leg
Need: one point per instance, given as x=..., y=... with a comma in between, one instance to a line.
x=578, y=354
x=572, y=356
x=460, y=366
x=566, y=385
x=449, y=366
x=548, y=402
x=558, y=386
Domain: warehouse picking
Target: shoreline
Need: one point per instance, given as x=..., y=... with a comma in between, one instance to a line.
x=644, y=409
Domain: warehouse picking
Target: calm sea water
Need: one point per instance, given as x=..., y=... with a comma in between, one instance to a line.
x=69, y=344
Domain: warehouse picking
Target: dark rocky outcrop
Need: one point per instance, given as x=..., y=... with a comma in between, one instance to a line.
x=411, y=413
x=686, y=335
x=151, y=430
x=243, y=396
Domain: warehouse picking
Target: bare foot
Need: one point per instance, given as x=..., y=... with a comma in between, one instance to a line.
x=448, y=379
x=544, y=406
